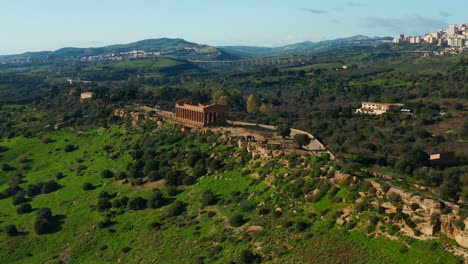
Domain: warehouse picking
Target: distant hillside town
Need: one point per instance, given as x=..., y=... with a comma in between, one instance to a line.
x=455, y=36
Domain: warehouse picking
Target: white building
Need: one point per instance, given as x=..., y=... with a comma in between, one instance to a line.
x=372, y=108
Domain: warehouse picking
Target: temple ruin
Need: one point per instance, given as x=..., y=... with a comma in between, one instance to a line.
x=200, y=115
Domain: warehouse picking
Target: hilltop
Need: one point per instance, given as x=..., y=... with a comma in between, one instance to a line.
x=182, y=49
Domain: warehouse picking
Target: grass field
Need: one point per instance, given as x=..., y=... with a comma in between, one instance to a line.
x=199, y=233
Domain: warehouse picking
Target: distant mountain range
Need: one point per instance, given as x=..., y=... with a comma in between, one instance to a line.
x=305, y=48
x=182, y=49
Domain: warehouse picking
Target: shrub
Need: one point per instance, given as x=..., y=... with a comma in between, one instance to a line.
x=103, y=201
x=59, y=175
x=414, y=206
x=263, y=211
x=50, y=186
x=236, y=220
x=459, y=224
x=104, y=223
x=69, y=148
x=33, y=190
x=42, y=224
x=23, y=159
x=88, y=186
x=301, y=140
x=176, y=209
x=107, y=174
x=19, y=198
x=199, y=170
x=46, y=140
x=24, y=208
x=188, y=180
x=121, y=175
x=245, y=206
x=137, y=203
x=403, y=249
x=446, y=210
x=301, y=226
x=394, y=197
x=247, y=257
x=208, y=198
x=11, y=230
x=45, y=213
x=156, y=200
x=126, y=249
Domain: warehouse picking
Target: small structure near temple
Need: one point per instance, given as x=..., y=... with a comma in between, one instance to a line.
x=200, y=115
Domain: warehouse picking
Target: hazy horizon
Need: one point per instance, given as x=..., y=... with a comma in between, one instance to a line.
x=52, y=24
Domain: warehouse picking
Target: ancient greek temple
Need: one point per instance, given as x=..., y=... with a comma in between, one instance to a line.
x=200, y=115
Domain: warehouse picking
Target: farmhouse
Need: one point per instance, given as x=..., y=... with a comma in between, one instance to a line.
x=86, y=95
x=200, y=115
x=372, y=108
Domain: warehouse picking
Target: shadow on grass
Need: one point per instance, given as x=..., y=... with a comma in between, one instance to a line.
x=56, y=222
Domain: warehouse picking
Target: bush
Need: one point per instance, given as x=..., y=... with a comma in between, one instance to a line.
x=301, y=140
x=137, y=203
x=33, y=190
x=121, y=176
x=69, y=148
x=45, y=213
x=107, y=174
x=208, y=198
x=11, y=230
x=88, y=186
x=172, y=191
x=156, y=200
x=403, y=249
x=19, y=198
x=236, y=220
x=103, y=201
x=188, y=180
x=24, y=208
x=301, y=226
x=245, y=206
x=59, y=175
x=414, y=206
x=50, y=186
x=176, y=209
x=46, y=140
x=104, y=223
x=42, y=224
x=247, y=257
x=126, y=249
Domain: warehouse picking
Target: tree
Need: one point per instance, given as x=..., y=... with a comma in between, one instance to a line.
x=176, y=209
x=301, y=140
x=223, y=100
x=137, y=203
x=156, y=200
x=43, y=224
x=247, y=257
x=236, y=220
x=107, y=173
x=252, y=104
x=88, y=186
x=208, y=198
x=50, y=186
x=18, y=198
x=11, y=230
x=284, y=131
x=24, y=208
x=103, y=201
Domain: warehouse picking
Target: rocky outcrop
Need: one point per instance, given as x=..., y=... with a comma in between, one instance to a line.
x=426, y=216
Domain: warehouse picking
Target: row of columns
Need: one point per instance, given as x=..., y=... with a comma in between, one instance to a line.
x=200, y=117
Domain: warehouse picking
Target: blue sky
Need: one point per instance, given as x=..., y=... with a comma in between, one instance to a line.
x=33, y=25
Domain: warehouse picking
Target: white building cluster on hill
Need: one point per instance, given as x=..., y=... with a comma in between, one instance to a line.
x=454, y=36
